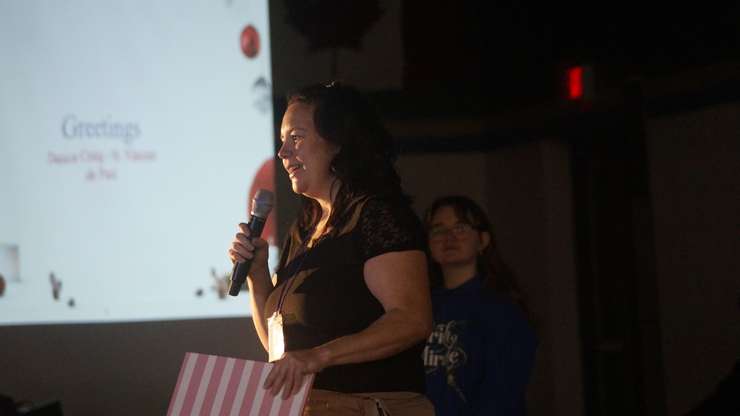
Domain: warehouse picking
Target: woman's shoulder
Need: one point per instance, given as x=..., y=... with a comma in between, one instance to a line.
x=387, y=224
x=388, y=215
x=392, y=210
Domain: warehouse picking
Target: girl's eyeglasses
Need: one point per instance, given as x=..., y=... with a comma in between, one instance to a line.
x=439, y=232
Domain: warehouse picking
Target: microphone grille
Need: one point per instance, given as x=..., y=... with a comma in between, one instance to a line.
x=262, y=203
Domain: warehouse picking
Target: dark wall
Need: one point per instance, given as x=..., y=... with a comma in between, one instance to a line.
x=695, y=181
x=113, y=369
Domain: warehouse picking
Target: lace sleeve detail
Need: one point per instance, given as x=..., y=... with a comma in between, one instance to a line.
x=385, y=227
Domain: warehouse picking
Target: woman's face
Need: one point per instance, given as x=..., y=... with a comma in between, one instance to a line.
x=306, y=156
x=452, y=241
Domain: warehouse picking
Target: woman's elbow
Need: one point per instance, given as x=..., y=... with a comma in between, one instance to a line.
x=418, y=327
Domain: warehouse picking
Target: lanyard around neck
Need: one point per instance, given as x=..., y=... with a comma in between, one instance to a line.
x=302, y=251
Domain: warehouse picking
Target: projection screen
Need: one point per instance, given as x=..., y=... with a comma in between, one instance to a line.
x=132, y=134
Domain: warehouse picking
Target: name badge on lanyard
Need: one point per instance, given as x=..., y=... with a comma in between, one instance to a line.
x=275, y=338
x=275, y=335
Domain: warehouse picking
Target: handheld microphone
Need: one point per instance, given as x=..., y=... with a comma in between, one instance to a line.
x=261, y=206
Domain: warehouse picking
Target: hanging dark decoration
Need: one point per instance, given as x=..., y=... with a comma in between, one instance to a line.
x=333, y=24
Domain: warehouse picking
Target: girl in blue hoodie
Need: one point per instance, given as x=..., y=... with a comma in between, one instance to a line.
x=479, y=357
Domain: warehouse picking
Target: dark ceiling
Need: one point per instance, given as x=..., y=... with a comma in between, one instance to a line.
x=516, y=51
x=487, y=56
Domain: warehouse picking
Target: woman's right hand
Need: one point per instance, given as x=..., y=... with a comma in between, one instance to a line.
x=243, y=248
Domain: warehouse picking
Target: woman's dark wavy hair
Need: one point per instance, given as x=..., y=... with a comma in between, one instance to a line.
x=364, y=165
x=496, y=275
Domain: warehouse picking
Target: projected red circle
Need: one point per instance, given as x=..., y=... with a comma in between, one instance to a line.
x=265, y=179
x=250, y=41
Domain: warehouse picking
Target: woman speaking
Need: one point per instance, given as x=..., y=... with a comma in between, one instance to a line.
x=350, y=300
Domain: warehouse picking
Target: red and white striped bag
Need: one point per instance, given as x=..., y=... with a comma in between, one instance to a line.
x=222, y=386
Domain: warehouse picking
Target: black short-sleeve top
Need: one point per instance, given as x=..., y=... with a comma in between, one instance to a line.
x=325, y=295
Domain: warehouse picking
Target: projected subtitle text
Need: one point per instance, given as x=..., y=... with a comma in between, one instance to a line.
x=101, y=165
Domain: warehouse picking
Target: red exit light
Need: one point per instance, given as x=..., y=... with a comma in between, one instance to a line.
x=575, y=83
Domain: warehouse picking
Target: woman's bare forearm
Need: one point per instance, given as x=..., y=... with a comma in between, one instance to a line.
x=395, y=331
x=260, y=286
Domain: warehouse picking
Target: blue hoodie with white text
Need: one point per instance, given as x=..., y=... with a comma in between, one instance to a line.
x=479, y=357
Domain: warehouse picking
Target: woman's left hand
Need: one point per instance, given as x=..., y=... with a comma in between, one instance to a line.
x=287, y=373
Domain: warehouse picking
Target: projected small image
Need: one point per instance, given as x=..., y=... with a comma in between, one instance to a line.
x=220, y=283
x=9, y=263
x=56, y=286
x=262, y=91
x=250, y=41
